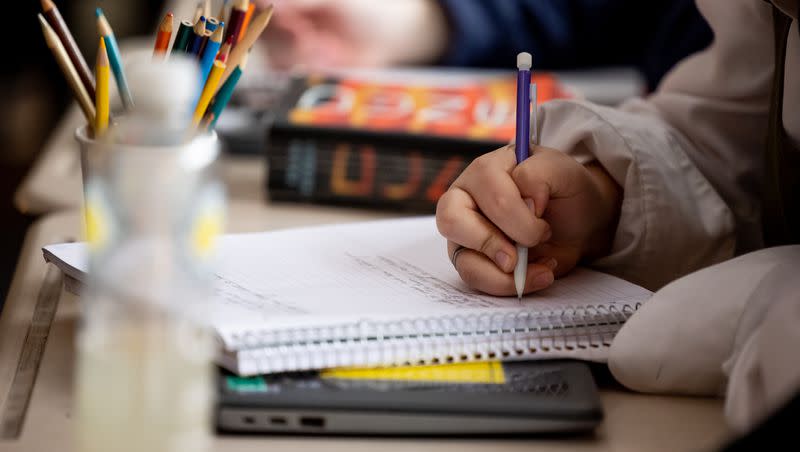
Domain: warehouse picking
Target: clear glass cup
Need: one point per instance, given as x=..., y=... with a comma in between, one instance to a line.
x=145, y=350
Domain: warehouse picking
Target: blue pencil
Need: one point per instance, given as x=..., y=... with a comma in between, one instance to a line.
x=210, y=53
x=114, y=58
x=524, y=64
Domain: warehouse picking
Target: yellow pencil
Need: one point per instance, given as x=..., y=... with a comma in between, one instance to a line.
x=208, y=91
x=61, y=56
x=257, y=26
x=103, y=75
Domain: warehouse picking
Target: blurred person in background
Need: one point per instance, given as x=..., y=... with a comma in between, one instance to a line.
x=650, y=36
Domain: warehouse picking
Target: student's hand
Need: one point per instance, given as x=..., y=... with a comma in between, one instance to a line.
x=562, y=210
x=363, y=33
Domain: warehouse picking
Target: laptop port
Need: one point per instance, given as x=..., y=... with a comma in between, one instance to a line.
x=277, y=421
x=312, y=421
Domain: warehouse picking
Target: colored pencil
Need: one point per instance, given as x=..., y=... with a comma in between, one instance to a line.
x=221, y=15
x=56, y=22
x=223, y=96
x=206, y=36
x=198, y=13
x=163, y=36
x=208, y=91
x=248, y=16
x=65, y=63
x=209, y=54
x=236, y=19
x=225, y=50
x=207, y=8
x=114, y=58
x=212, y=23
x=102, y=103
x=185, y=32
x=197, y=37
x=257, y=26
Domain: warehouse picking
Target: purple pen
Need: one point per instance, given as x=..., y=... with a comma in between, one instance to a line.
x=524, y=64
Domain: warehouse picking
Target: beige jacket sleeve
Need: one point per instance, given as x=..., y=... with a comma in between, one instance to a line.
x=688, y=157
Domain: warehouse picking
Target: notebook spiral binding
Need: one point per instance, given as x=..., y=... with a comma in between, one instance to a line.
x=430, y=340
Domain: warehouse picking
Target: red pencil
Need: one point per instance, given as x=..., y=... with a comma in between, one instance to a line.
x=58, y=25
x=236, y=20
x=225, y=50
x=163, y=36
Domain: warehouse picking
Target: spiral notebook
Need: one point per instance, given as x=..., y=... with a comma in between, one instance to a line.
x=384, y=293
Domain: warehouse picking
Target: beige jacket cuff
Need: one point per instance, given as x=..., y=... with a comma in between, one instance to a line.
x=672, y=221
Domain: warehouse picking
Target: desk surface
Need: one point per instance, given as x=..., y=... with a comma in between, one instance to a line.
x=633, y=422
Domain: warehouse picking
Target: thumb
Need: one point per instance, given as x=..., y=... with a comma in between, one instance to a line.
x=546, y=174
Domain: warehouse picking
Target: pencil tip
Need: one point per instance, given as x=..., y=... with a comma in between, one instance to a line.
x=98, y=12
x=47, y=5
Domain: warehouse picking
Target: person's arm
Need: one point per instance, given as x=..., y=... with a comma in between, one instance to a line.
x=689, y=157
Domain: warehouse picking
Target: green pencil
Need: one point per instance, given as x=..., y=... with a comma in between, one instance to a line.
x=114, y=58
x=224, y=96
x=182, y=38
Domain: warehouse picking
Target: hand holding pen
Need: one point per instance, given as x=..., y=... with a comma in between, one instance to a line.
x=514, y=223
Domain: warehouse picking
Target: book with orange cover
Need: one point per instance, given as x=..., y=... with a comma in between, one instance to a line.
x=394, y=142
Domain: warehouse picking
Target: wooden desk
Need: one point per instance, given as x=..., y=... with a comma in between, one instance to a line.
x=633, y=422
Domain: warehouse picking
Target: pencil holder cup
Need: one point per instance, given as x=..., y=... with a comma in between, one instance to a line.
x=152, y=215
x=143, y=189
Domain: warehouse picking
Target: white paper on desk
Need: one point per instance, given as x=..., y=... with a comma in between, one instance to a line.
x=379, y=271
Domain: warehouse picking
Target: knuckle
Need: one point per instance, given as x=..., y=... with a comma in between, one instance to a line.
x=446, y=221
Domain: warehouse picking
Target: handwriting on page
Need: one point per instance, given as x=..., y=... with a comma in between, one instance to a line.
x=412, y=277
x=230, y=294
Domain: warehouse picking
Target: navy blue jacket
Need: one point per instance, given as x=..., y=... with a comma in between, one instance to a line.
x=651, y=35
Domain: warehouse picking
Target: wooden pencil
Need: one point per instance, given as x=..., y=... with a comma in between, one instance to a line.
x=212, y=23
x=163, y=36
x=114, y=58
x=185, y=33
x=236, y=19
x=248, y=16
x=206, y=36
x=197, y=37
x=208, y=91
x=61, y=30
x=65, y=63
x=209, y=53
x=207, y=8
x=223, y=97
x=225, y=50
x=257, y=26
x=102, y=102
x=198, y=12
x=221, y=16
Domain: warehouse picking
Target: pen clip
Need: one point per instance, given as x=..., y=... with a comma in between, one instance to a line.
x=534, y=122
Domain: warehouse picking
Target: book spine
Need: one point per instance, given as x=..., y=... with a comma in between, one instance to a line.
x=326, y=171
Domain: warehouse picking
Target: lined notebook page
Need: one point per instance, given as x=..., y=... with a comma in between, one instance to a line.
x=376, y=271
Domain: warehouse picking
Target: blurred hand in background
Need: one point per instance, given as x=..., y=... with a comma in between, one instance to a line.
x=354, y=33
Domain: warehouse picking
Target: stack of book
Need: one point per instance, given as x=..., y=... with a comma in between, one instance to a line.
x=392, y=139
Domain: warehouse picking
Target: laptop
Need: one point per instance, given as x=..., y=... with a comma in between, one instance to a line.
x=474, y=398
